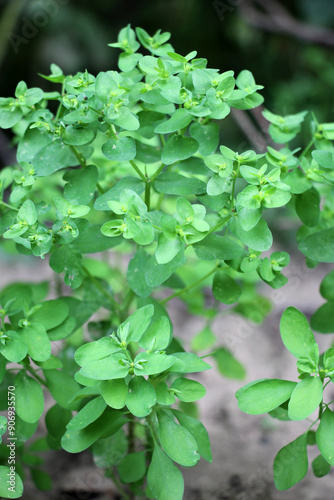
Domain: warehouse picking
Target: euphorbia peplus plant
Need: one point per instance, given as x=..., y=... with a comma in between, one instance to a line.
x=130, y=163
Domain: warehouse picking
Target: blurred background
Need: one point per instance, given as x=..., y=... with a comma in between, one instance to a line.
x=288, y=45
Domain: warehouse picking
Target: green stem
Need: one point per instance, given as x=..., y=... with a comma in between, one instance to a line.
x=162, y=139
x=9, y=206
x=100, y=188
x=220, y=223
x=141, y=175
x=155, y=175
x=119, y=486
x=160, y=200
x=310, y=144
x=102, y=290
x=37, y=377
x=78, y=156
x=152, y=429
x=148, y=194
x=60, y=107
x=187, y=288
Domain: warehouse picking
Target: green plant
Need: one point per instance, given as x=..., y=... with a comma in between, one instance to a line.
x=127, y=164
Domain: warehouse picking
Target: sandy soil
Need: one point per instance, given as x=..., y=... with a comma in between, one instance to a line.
x=243, y=446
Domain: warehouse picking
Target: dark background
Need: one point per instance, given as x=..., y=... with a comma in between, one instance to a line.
x=288, y=45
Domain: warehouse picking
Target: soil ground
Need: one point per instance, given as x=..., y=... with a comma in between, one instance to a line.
x=243, y=446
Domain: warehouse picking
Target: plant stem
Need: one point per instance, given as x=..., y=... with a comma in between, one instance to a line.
x=155, y=175
x=102, y=290
x=119, y=486
x=37, y=377
x=219, y=224
x=60, y=107
x=78, y=156
x=141, y=175
x=100, y=188
x=9, y=206
x=187, y=288
x=148, y=194
x=310, y=144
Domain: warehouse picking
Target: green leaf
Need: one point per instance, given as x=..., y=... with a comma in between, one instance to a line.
x=68, y=260
x=133, y=467
x=10, y=116
x=305, y=399
x=320, y=466
x=203, y=340
x=163, y=477
x=80, y=185
x=56, y=420
x=114, y=392
x=8, y=474
x=111, y=450
x=325, y=436
x=164, y=394
x=218, y=185
x=37, y=341
x=228, y=365
x=217, y=247
x=291, y=464
x=41, y=479
x=136, y=274
x=53, y=157
x=14, y=349
x=179, y=120
x=259, y=238
x=188, y=390
x=264, y=395
x=141, y=397
x=177, y=441
x=177, y=184
x=77, y=136
x=152, y=363
x=94, y=351
x=323, y=319
x=319, y=246
x=225, y=289
x=51, y=313
x=296, y=333
x=156, y=274
x=167, y=249
x=91, y=240
x=189, y=363
x=28, y=213
x=88, y=414
x=123, y=149
x=198, y=431
x=308, y=207
x=29, y=398
x=75, y=441
x=138, y=323
x=62, y=388
x=115, y=192
x=178, y=148
x=107, y=368
x=157, y=336
x=324, y=158
x=207, y=137
x=327, y=287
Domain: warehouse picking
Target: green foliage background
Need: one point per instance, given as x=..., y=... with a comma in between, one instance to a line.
x=296, y=73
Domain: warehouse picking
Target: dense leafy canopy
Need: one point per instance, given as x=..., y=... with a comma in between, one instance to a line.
x=130, y=162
